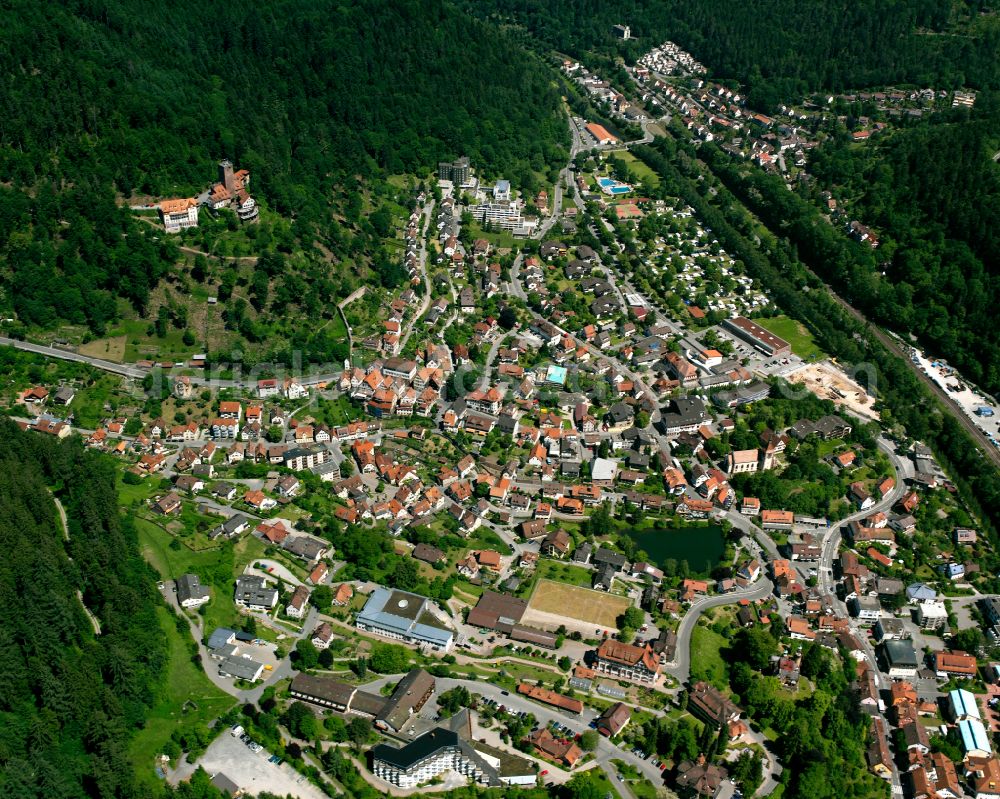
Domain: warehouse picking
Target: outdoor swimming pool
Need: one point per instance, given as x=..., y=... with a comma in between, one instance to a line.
x=556, y=374
x=612, y=186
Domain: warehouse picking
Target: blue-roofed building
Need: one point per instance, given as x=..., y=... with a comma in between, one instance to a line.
x=220, y=637
x=975, y=741
x=963, y=705
x=405, y=617
x=919, y=592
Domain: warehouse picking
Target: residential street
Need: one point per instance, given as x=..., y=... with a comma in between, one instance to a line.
x=426, y=215
x=681, y=669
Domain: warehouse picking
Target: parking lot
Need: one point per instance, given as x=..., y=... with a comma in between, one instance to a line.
x=968, y=398
x=756, y=360
x=991, y=715
x=251, y=770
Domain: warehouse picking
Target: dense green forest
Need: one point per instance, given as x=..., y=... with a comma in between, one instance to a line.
x=68, y=699
x=71, y=701
x=932, y=193
x=320, y=100
x=780, y=48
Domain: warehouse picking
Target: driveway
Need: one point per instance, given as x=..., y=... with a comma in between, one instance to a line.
x=273, y=569
x=281, y=669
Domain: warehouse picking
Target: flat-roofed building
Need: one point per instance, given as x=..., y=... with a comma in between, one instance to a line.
x=404, y=617
x=932, y=614
x=900, y=658
x=759, y=337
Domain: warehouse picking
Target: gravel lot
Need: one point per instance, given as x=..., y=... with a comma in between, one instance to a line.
x=252, y=772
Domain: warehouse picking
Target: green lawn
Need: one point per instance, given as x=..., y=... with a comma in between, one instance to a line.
x=484, y=538
x=336, y=327
x=564, y=573
x=706, y=657
x=132, y=495
x=172, y=562
x=467, y=589
x=557, y=571
x=501, y=239
x=216, y=567
x=140, y=344
x=602, y=785
x=88, y=404
x=795, y=334
x=339, y=411
x=189, y=698
x=639, y=168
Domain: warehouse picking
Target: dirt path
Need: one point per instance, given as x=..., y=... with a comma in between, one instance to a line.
x=94, y=622
x=243, y=259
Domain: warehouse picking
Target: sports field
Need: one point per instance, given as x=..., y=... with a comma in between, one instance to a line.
x=559, y=600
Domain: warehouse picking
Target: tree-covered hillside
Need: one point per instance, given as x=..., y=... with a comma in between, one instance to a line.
x=68, y=699
x=932, y=192
x=320, y=100
x=781, y=48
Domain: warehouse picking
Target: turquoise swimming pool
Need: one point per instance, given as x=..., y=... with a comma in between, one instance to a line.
x=556, y=374
x=612, y=186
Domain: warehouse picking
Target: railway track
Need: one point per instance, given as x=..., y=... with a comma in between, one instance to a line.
x=985, y=445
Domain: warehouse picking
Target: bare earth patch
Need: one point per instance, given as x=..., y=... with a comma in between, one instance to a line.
x=827, y=381
x=554, y=603
x=108, y=349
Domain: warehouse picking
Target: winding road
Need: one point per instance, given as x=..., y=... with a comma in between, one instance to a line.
x=681, y=668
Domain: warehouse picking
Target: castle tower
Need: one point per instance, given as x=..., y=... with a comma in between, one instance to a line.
x=226, y=175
